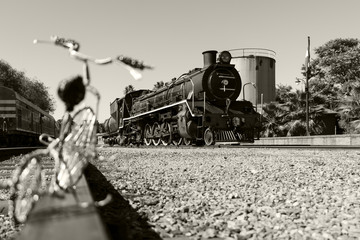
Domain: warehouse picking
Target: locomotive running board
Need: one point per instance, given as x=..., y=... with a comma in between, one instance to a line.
x=159, y=109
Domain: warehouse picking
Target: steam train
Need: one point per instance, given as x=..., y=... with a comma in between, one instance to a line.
x=22, y=122
x=200, y=107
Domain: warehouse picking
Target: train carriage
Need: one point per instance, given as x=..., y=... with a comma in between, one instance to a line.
x=21, y=122
x=199, y=107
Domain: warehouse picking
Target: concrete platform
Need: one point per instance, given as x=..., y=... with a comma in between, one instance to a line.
x=334, y=140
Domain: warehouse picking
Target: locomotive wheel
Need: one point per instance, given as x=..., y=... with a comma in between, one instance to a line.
x=166, y=137
x=122, y=140
x=156, y=134
x=186, y=141
x=177, y=141
x=147, y=135
x=209, y=137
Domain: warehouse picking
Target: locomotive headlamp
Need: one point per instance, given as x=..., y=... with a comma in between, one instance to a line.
x=236, y=121
x=225, y=57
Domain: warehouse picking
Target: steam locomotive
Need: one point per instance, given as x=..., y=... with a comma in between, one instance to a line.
x=199, y=107
x=22, y=122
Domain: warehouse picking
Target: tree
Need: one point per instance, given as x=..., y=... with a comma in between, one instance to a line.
x=32, y=89
x=338, y=61
x=128, y=89
x=38, y=93
x=335, y=75
x=101, y=128
x=273, y=120
x=287, y=116
x=334, y=84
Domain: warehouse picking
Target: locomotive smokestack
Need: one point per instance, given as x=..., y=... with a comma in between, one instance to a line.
x=209, y=58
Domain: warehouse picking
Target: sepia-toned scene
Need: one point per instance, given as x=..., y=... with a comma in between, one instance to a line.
x=184, y=120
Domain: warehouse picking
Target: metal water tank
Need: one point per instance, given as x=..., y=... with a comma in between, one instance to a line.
x=256, y=67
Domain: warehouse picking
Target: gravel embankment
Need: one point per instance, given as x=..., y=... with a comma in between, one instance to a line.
x=224, y=193
x=230, y=193
x=8, y=230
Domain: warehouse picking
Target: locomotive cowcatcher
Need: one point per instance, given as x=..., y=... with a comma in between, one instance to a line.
x=199, y=107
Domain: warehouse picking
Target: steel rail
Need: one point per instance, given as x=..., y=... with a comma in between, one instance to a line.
x=71, y=216
x=64, y=218
x=241, y=145
x=7, y=153
x=291, y=146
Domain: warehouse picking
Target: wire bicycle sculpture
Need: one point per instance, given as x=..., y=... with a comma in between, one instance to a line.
x=73, y=149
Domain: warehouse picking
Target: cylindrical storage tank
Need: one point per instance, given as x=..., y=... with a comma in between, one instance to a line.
x=106, y=125
x=113, y=127
x=256, y=67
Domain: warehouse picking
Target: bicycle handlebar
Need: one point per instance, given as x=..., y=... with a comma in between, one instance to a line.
x=73, y=47
x=83, y=57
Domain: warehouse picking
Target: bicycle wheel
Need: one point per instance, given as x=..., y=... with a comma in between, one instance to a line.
x=27, y=186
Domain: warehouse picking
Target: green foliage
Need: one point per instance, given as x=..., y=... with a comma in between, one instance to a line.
x=287, y=116
x=283, y=93
x=32, y=89
x=354, y=127
x=101, y=128
x=337, y=63
x=297, y=128
x=334, y=84
x=335, y=81
x=39, y=95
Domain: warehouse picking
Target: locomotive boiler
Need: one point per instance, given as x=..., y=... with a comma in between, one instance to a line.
x=198, y=107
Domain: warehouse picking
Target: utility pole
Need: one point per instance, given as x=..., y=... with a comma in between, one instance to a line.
x=307, y=68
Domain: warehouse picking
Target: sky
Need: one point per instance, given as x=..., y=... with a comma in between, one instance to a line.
x=167, y=34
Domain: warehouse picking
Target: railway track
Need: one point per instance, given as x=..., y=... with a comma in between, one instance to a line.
x=345, y=141
x=292, y=146
x=72, y=216
x=235, y=145
x=7, y=169
x=7, y=153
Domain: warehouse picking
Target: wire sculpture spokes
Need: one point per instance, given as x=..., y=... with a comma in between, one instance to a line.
x=71, y=151
x=77, y=149
x=27, y=185
x=71, y=155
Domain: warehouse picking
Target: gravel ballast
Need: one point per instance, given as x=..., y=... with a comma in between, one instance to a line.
x=234, y=193
x=226, y=193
